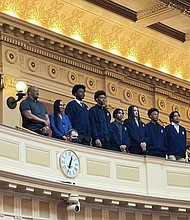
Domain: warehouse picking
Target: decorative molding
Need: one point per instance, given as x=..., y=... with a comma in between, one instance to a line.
x=143, y=99
x=9, y=81
x=134, y=82
x=91, y=83
x=72, y=77
x=53, y=72
x=161, y=104
x=171, y=32
x=176, y=107
x=179, y=98
x=32, y=65
x=116, y=8
x=113, y=89
x=182, y=5
x=114, y=74
x=162, y=91
x=152, y=10
x=188, y=114
x=86, y=59
x=128, y=95
x=11, y=57
x=71, y=19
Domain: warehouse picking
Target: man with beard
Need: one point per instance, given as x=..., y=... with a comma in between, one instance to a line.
x=34, y=113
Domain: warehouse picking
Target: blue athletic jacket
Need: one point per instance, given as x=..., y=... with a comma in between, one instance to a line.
x=115, y=138
x=176, y=142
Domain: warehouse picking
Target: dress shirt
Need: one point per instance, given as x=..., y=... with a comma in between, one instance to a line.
x=176, y=126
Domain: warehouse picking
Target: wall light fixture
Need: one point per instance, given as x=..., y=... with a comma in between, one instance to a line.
x=21, y=88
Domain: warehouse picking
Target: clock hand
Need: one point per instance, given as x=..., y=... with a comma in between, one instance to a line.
x=70, y=162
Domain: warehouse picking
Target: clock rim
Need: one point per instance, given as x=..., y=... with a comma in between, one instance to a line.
x=60, y=156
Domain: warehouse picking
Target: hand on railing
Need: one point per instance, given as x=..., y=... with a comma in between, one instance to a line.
x=25, y=129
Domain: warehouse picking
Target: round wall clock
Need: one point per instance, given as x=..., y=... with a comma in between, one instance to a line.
x=69, y=163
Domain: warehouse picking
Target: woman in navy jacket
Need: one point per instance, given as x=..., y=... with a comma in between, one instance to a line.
x=119, y=139
x=59, y=122
x=136, y=131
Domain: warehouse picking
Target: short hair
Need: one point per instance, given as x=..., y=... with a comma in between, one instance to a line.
x=115, y=112
x=98, y=93
x=77, y=87
x=152, y=110
x=70, y=131
x=171, y=115
x=30, y=88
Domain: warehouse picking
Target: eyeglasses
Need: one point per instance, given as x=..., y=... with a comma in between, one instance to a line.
x=61, y=105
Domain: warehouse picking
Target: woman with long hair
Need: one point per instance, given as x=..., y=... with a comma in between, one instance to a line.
x=59, y=122
x=136, y=131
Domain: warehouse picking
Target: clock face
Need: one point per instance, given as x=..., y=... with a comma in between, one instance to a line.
x=69, y=163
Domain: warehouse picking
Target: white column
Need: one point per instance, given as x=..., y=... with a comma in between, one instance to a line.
x=105, y=214
x=17, y=207
x=53, y=210
x=122, y=215
x=138, y=216
x=71, y=215
x=155, y=216
x=88, y=213
x=1, y=205
x=35, y=209
x=173, y=217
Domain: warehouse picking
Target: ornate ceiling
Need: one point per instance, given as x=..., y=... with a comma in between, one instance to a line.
x=169, y=17
x=155, y=33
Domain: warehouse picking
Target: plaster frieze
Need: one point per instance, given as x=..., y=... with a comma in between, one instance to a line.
x=87, y=59
x=97, y=28
x=172, y=95
x=163, y=91
x=137, y=84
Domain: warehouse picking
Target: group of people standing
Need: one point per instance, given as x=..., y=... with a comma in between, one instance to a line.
x=94, y=127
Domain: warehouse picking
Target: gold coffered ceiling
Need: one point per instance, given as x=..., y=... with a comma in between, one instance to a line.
x=152, y=32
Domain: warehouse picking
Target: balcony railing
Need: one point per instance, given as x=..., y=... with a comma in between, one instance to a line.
x=102, y=172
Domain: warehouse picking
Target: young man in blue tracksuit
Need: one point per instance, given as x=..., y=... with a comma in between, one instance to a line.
x=100, y=121
x=119, y=139
x=78, y=114
x=155, y=136
x=176, y=138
